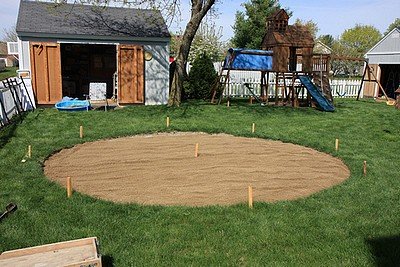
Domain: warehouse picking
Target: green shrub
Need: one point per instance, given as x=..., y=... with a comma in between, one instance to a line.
x=201, y=78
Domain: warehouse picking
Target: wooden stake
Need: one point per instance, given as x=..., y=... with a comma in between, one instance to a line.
x=253, y=128
x=250, y=197
x=29, y=151
x=167, y=122
x=337, y=144
x=69, y=187
x=81, y=131
x=228, y=103
x=251, y=100
x=196, y=150
x=365, y=168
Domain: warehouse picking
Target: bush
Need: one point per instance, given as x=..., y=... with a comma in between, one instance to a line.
x=201, y=78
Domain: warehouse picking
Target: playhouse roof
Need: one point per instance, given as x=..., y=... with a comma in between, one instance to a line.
x=278, y=15
x=295, y=35
x=39, y=19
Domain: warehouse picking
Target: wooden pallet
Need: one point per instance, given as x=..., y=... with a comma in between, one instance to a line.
x=74, y=253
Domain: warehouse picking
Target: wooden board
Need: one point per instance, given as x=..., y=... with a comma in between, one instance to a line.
x=130, y=74
x=46, y=72
x=80, y=252
x=371, y=88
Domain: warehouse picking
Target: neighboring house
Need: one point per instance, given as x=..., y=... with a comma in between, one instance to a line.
x=321, y=49
x=64, y=48
x=384, y=60
x=11, y=61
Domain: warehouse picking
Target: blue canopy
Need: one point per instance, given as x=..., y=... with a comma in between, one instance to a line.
x=248, y=59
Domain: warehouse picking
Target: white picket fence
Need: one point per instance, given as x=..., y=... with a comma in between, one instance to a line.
x=345, y=88
x=341, y=88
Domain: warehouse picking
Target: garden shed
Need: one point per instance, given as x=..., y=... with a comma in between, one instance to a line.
x=384, y=61
x=66, y=48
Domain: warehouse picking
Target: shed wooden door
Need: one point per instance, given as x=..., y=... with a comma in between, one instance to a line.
x=46, y=72
x=371, y=88
x=130, y=74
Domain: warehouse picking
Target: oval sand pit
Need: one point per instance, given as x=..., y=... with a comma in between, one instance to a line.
x=161, y=169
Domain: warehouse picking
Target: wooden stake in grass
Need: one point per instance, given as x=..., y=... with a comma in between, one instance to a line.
x=69, y=187
x=81, y=131
x=167, y=122
x=196, y=150
x=251, y=100
x=228, y=103
x=337, y=144
x=365, y=168
x=250, y=197
x=29, y=151
x=253, y=127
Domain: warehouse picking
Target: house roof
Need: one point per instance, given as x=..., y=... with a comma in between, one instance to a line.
x=40, y=19
x=321, y=48
x=393, y=33
x=297, y=36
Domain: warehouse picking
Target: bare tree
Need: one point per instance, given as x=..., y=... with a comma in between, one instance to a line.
x=10, y=34
x=311, y=26
x=199, y=9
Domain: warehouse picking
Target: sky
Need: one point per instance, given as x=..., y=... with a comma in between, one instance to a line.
x=332, y=17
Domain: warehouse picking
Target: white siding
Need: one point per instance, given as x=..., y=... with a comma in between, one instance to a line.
x=157, y=75
x=24, y=55
x=384, y=59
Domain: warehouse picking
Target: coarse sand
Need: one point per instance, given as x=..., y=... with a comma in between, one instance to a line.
x=161, y=169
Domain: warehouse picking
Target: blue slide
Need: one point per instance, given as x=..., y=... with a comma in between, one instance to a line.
x=323, y=103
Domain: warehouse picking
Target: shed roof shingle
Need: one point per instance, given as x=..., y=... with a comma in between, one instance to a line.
x=40, y=18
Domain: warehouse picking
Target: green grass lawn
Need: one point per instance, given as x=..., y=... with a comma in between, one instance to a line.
x=8, y=72
x=356, y=223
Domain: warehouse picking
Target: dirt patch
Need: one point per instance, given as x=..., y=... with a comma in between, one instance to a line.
x=161, y=169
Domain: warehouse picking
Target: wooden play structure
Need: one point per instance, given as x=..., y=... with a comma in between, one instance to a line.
x=287, y=53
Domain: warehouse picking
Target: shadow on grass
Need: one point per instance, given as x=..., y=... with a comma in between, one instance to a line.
x=386, y=250
x=7, y=132
x=107, y=261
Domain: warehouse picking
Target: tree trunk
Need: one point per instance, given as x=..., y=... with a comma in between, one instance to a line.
x=199, y=10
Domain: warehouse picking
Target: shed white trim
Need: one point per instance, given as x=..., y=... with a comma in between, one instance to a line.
x=385, y=53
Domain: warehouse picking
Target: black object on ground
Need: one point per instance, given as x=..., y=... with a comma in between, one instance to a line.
x=9, y=208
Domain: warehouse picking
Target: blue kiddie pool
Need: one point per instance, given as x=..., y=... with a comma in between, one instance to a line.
x=72, y=104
